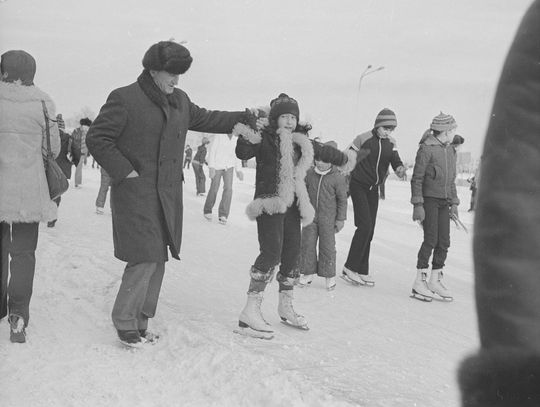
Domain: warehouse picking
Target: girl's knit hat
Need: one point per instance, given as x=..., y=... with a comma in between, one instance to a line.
x=283, y=104
x=385, y=118
x=443, y=122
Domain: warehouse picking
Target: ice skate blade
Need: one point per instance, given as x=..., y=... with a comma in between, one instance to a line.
x=137, y=345
x=252, y=333
x=420, y=297
x=437, y=297
x=356, y=283
x=285, y=321
x=332, y=288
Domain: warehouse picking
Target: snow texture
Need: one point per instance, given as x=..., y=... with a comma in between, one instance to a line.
x=365, y=347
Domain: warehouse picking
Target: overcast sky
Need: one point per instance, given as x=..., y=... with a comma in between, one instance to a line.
x=437, y=55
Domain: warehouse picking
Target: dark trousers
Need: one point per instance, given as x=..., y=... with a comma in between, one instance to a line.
x=279, y=242
x=200, y=178
x=138, y=295
x=365, y=204
x=4, y=265
x=436, y=233
x=19, y=242
x=186, y=163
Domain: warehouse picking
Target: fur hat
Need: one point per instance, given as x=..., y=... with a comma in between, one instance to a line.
x=85, y=121
x=443, y=122
x=386, y=117
x=283, y=104
x=18, y=65
x=167, y=56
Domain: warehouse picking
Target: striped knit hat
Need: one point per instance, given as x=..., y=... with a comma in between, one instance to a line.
x=443, y=122
x=386, y=117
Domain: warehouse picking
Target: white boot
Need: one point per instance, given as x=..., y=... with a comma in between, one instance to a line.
x=305, y=279
x=287, y=313
x=436, y=285
x=420, y=289
x=251, y=315
x=356, y=278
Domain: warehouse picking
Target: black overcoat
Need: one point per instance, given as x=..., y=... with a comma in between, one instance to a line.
x=140, y=129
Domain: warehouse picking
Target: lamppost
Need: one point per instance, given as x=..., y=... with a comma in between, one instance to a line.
x=369, y=70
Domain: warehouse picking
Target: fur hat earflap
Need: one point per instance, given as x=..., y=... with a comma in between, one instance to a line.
x=167, y=56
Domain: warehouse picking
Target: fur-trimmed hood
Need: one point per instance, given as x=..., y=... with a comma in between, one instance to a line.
x=289, y=168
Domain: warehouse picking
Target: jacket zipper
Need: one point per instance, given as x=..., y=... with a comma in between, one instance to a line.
x=377, y=165
x=318, y=191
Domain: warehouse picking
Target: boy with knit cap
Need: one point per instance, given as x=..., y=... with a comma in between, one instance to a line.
x=435, y=201
x=376, y=151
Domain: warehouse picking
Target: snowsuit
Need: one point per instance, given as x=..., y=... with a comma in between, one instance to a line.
x=281, y=201
x=375, y=155
x=328, y=195
x=433, y=184
x=198, y=161
x=140, y=128
x=505, y=371
x=24, y=194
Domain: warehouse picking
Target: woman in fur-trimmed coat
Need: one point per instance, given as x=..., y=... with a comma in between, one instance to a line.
x=24, y=194
x=284, y=154
x=505, y=372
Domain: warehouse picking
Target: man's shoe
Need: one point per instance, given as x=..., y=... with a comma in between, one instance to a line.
x=131, y=338
x=208, y=217
x=223, y=220
x=99, y=210
x=17, y=333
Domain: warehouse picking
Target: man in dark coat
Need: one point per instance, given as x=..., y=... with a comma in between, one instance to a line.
x=505, y=371
x=139, y=138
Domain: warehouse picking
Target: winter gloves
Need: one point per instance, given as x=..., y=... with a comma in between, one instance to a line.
x=339, y=225
x=454, y=213
x=418, y=213
x=401, y=172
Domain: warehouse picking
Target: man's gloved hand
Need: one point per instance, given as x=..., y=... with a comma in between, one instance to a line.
x=401, y=172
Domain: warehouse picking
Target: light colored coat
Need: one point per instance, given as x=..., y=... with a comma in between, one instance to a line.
x=24, y=194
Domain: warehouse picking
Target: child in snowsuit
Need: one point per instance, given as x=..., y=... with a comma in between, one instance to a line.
x=327, y=191
x=435, y=199
x=283, y=155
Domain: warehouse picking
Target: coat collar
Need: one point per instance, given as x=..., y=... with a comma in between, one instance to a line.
x=151, y=90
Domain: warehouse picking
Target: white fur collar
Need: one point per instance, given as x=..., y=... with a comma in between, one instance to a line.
x=16, y=92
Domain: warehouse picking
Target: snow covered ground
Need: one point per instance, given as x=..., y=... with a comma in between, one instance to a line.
x=366, y=346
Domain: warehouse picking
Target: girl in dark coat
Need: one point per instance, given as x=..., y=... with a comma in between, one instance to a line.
x=283, y=154
x=138, y=138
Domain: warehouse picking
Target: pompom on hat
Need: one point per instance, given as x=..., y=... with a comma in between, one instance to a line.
x=443, y=122
x=284, y=104
x=18, y=65
x=385, y=118
x=167, y=56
